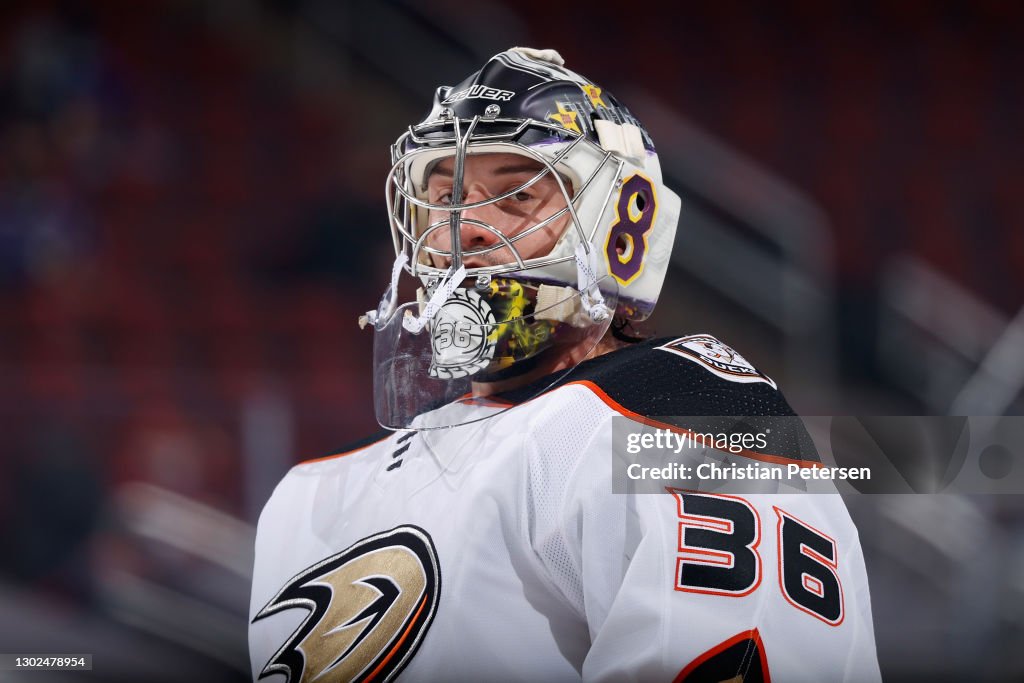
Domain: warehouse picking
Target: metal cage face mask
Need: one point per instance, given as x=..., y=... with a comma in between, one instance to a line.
x=471, y=327
x=585, y=176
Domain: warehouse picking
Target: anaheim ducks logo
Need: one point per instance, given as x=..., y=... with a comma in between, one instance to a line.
x=369, y=608
x=717, y=357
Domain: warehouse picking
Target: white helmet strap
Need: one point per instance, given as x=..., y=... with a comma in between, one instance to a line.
x=586, y=278
x=441, y=294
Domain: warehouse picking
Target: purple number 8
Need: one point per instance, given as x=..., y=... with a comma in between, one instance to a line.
x=635, y=210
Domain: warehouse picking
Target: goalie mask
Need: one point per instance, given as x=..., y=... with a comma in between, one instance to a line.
x=530, y=205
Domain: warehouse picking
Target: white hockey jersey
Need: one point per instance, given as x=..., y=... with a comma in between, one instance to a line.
x=498, y=551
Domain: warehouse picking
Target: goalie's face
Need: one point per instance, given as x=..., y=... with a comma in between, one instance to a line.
x=491, y=175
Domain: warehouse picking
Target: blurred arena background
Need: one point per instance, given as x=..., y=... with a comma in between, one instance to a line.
x=192, y=218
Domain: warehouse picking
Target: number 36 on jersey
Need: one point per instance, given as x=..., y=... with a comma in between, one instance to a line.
x=721, y=538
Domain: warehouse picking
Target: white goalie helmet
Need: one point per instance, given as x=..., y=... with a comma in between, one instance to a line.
x=492, y=306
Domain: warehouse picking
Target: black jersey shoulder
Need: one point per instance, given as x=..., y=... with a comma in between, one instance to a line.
x=697, y=383
x=665, y=377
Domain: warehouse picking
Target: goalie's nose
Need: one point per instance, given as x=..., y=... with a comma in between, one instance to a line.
x=479, y=231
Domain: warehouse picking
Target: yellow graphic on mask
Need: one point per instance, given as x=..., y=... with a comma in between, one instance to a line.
x=516, y=336
x=594, y=93
x=566, y=118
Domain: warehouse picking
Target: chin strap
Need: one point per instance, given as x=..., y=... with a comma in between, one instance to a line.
x=441, y=294
x=591, y=298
